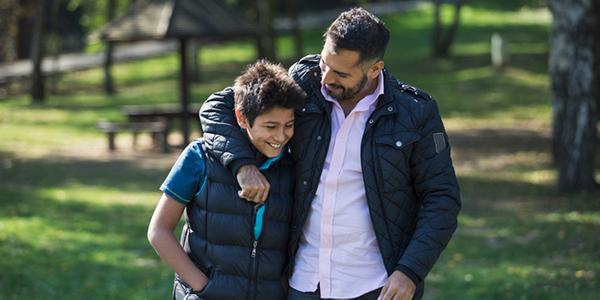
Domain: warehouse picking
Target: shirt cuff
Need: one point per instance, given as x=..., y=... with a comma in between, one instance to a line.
x=410, y=274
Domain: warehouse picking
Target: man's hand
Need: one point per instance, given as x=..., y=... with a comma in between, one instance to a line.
x=397, y=287
x=255, y=186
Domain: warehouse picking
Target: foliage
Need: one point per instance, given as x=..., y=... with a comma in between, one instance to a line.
x=73, y=217
x=95, y=12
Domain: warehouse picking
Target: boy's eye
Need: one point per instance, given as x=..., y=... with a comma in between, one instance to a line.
x=289, y=125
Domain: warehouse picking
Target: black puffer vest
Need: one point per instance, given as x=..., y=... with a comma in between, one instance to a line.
x=220, y=230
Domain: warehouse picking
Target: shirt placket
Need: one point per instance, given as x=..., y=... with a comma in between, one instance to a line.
x=329, y=200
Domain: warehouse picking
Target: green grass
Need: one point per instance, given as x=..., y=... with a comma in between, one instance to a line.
x=73, y=217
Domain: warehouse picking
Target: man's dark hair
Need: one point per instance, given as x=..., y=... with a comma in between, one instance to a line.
x=263, y=86
x=359, y=30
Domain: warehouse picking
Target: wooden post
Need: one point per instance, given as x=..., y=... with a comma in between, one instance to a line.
x=38, y=47
x=184, y=89
x=499, y=51
x=194, y=60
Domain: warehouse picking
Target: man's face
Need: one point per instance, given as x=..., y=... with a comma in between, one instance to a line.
x=342, y=75
x=271, y=130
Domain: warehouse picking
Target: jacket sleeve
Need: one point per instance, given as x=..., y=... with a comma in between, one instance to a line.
x=438, y=192
x=222, y=135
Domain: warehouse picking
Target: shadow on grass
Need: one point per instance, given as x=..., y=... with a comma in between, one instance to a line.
x=519, y=240
x=499, y=141
x=62, y=236
x=79, y=251
x=122, y=175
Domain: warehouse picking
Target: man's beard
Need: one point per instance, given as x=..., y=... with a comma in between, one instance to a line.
x=348, y=93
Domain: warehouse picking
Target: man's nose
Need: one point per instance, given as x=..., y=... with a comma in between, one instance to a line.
x=327, y=76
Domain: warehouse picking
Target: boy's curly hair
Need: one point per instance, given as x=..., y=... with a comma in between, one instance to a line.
x=263, y=86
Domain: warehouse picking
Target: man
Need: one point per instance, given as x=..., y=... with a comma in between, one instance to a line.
x=376, y=197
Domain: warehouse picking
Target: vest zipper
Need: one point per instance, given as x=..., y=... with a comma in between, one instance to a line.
x=254, y=254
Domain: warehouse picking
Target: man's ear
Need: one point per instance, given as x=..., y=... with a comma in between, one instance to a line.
x=241, y=119
x=375, y=69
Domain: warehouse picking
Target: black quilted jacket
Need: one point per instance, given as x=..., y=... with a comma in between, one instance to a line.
x=411, y=187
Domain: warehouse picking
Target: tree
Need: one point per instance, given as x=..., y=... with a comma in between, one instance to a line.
x=8, y=26
x=266, y=40
x=444, y=38
x=574, y=67
x=109, y=85
x=38, y=47
x=293, y=12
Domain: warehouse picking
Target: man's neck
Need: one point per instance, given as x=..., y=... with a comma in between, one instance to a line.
x=349, y=104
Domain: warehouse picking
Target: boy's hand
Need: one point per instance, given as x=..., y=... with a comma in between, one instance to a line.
x=398, y=287
x=255, y=186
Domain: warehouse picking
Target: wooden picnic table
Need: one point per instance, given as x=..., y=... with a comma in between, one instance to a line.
x=166, y=113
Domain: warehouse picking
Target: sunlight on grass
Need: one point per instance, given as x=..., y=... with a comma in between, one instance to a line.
x=239, y=52
x=591, y=218
x=73, y=217
x=101, y=195
x=524, y=16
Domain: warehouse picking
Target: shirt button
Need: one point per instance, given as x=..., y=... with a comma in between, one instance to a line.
x=398, y=144
x=390, y=108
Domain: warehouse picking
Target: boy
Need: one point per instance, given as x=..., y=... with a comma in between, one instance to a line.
x=231, y=248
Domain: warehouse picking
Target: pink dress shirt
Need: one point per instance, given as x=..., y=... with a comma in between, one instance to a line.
x=338, y=250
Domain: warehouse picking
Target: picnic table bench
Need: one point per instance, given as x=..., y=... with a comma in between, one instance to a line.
x=157, y=129
x=154, y=119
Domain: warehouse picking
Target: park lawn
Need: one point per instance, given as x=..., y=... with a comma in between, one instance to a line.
x=73, y=217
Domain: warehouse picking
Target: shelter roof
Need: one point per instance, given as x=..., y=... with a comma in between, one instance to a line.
x=159, y=19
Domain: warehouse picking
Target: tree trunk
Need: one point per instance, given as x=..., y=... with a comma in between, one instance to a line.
x=296, y=30
x=443, y=39
x=38, y=47
x=109, y=85
x=574, y=67
x=8, y=26
x=266, y=40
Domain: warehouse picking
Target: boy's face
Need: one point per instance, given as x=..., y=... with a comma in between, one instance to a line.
x=271, y=129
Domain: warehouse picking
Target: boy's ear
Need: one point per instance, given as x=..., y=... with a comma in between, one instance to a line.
x=241, y=119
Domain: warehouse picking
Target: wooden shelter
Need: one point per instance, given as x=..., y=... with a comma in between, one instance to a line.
x=204, y=20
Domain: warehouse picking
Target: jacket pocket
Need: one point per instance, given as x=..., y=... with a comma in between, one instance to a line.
x=182, y=291
x=392, y=155
x=395, y=147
